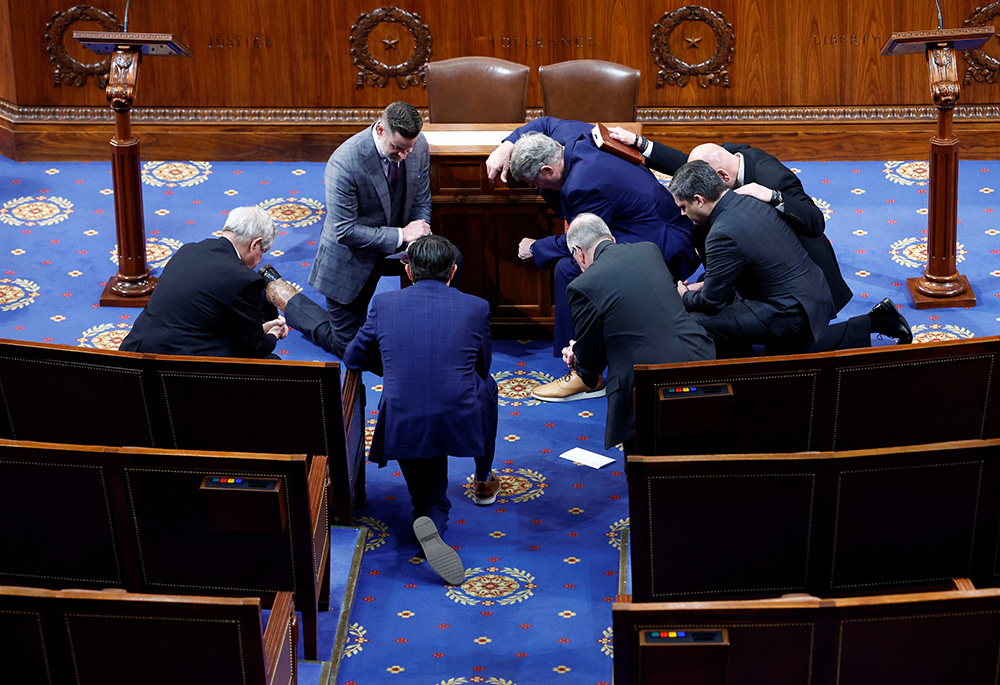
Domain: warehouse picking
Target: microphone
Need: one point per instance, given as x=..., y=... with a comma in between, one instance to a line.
x=129, y=2
x=940, y=23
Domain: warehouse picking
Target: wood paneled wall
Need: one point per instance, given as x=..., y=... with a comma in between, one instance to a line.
x=276, y=78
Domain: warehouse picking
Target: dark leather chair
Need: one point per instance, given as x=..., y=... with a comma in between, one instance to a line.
x=477, y=90
x=590, y=90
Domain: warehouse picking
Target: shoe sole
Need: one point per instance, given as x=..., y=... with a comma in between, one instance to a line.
x=572, y=398
x=486, y=502
x=442, y=558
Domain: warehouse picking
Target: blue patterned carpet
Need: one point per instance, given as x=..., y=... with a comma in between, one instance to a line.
x=542, y=562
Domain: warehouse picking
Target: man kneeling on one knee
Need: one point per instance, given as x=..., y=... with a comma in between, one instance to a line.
x=431, y=344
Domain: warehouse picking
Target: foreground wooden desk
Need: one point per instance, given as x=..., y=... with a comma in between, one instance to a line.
x=487, y=222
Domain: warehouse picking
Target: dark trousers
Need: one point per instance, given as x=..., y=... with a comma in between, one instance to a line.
x=335, y=327
x=846, y=335
x=562, y=330
x=736, y=329
x=427, y=482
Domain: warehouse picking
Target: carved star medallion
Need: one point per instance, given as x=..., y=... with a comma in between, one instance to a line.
x=693, y=43
x=390, y=43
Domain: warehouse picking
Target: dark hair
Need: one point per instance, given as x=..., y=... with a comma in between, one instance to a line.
x=431, y=256
x=697, y=178
x=402, y=118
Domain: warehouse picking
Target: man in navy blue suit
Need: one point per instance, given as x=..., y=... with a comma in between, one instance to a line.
x=431, y=344
x=560, y=158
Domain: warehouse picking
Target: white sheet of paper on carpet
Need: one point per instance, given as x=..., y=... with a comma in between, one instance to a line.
x=587, y=458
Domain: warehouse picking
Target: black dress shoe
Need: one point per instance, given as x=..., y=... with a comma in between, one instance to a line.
x=886, y=320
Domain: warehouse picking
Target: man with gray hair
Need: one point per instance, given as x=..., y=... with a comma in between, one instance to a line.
x=561, y=159
x=626, y=312
x=209, y=301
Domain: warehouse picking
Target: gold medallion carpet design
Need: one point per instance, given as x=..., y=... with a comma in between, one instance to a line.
x=542, y=562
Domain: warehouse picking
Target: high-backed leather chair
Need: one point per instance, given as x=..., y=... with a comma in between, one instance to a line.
x=590, y=90
x=477, y=90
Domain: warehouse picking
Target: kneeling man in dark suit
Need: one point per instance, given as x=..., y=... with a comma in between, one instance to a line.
x=760, y=286
x=431, y=344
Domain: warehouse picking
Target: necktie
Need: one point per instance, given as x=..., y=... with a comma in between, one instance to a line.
x=393, y=177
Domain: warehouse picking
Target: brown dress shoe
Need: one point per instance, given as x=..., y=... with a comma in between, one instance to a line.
x=484, y=492
x=279, y=292
x=567, y=389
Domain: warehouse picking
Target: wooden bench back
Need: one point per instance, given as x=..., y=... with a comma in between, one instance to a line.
x=146, y=520
x=73, y=395
x=917, y=639
x=841, y=523
x=845, y=400
x=80, y=636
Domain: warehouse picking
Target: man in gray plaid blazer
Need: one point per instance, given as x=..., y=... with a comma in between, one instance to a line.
x=378, y=200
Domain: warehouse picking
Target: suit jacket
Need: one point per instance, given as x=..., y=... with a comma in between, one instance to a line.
x=752, y=254
x=797, y=209
x=634, y=205
x=619, y=325
x=358, y=210
x=431, y=343
x=207, y=302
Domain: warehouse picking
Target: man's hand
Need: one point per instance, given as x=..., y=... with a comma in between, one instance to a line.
x=623, y=136
x=499, y=162
x=276, y=327
x=415, y=229
x=568, y=355
x=756, y=190
x=684, y=286
x=524, y=248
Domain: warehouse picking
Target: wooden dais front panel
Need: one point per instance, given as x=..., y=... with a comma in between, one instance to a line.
x=486, y=222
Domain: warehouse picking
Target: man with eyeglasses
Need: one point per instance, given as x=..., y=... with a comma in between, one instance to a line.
x=560, y=158
x=378, y=200
x=208, y=301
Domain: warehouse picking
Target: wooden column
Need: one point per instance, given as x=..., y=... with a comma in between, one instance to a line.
x=132, y=284
x=941, y=285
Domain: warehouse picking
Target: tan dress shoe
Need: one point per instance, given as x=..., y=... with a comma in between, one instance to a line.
x=485, y=491
x=279, y=292
x=567, y=389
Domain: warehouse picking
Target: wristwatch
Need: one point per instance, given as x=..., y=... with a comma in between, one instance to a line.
x=776, y=198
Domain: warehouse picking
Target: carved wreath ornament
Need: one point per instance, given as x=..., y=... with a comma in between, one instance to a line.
x=69, y=70
x=677, y=72
x=374, y=72
x=982, y=67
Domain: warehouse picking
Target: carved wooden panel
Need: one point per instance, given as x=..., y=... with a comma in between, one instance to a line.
x=287, y=53
x=280, y=69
